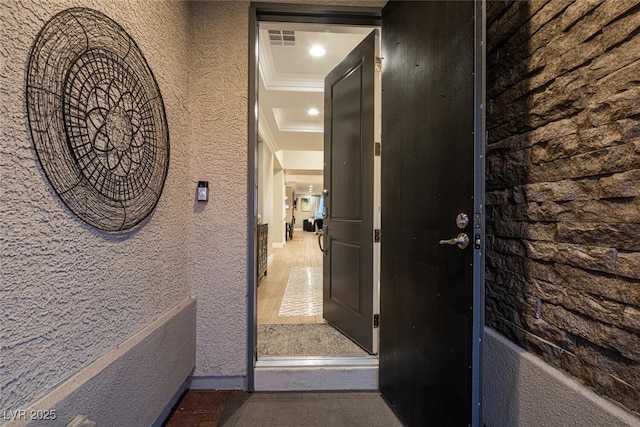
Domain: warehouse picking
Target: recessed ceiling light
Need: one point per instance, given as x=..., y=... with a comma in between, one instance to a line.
x=313, y=112
x=317, y=50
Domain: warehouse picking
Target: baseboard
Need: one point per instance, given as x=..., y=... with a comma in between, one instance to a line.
x=168, y=409
x=136, y=383
x=520, y=389
x=315, y=374
x=218, y=383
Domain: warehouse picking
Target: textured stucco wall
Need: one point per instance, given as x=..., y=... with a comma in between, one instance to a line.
x=219, y=86
x=71, y=293
x=218, y=229
x=136, y=384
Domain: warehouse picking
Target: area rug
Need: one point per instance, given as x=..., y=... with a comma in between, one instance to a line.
x=303, y=294
x=310, y=409
x=304, y=339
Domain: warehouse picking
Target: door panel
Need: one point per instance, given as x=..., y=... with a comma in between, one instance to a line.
x=342, y=293
x=346, y=148
x=348, y=295
x=428, y=160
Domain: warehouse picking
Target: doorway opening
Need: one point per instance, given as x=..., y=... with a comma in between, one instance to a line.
x=294, y=59
x=289, y=166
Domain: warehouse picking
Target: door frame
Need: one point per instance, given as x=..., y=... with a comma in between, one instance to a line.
x=479, y=143
x=278, y=12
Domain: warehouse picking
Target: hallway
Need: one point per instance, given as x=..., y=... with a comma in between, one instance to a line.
x=300, y=252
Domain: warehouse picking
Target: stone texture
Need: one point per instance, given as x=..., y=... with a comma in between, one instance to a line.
x=594, y=330
x=563, y=175
x=613, y=235
x=624, y=184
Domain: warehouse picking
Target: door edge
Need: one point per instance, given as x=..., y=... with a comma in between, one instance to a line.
x=479, y=208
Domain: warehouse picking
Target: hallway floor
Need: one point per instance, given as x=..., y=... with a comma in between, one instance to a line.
x=298, y=263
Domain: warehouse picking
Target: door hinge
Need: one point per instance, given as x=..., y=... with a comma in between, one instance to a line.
x=376, y=320
x=377, y=234
x=378, y=64
x=377, y=149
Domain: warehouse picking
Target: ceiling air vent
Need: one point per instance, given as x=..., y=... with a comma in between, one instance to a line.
x=282, y=37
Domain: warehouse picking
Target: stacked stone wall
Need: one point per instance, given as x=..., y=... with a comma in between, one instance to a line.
x=563, y=186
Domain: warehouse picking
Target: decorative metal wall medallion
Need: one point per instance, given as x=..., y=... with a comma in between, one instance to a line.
x=97, y=119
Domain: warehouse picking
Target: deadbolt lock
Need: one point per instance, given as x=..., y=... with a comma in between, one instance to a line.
x=462, y=220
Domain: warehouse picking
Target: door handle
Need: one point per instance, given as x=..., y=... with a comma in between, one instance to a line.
x=320, y=236
x=461, y=240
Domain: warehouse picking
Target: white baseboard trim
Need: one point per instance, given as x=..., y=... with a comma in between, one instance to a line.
x=278, y=245
x=309, y=374
x=520, y=389
x=137, y=382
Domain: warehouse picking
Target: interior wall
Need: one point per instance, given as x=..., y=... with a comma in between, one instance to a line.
x=289, y=202
x=266, y=192
x=563, y=119
x=72, y=293
x=276, y=229
x=302, y=215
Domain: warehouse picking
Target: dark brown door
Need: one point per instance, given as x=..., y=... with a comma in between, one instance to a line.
x=348, y=177
x=431, y=308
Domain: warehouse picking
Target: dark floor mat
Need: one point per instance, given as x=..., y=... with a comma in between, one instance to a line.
x=309, y=409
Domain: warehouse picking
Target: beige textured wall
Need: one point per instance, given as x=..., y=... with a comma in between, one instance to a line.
x=69, y=292
x=219, y=86
x=218, y=230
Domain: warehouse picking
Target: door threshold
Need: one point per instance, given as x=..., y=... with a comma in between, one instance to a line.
x=316, y=373
x=318, y=361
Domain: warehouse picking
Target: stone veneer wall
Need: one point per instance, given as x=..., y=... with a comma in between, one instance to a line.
x=563, y=186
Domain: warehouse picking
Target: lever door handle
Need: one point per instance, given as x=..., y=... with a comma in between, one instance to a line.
x=461, y=240
x=320, y=236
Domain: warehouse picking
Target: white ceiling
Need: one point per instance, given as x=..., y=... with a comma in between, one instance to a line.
x=292, y=82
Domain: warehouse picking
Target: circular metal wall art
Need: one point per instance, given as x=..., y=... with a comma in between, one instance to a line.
x=97, y=119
